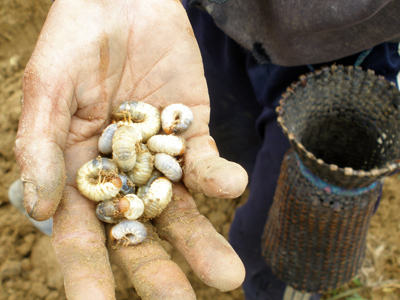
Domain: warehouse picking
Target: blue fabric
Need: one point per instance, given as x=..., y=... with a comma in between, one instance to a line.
x=329, y=187
x=243, y=97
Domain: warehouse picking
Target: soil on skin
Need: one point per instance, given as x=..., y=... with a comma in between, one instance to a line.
x=28, y=267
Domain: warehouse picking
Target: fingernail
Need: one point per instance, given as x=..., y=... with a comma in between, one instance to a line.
x=30, y=197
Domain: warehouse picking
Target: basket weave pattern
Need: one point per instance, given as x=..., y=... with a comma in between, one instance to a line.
x=315, y=240
x=343, y=124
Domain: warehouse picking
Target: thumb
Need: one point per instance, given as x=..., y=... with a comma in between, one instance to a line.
x=40, y=142
x=208, y=173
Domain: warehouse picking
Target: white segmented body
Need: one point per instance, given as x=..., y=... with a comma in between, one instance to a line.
x=169, y=144
x=124, y=147
x=157, y=198
x=134, y=164
x=129, y=232
x=143, y=189
x=98, y=179
x=145, y=116
x=105, y=140
x=141, y=172
x=176, y=118
x=130, y=207
x=169, y=166
x=135, y=207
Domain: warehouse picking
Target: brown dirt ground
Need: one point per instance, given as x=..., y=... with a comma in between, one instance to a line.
x=28, y=268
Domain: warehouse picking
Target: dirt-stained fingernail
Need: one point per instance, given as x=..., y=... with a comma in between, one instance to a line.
x=30, y=197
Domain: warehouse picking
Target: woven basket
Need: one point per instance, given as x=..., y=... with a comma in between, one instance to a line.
x=314, y=240
x=343, y=124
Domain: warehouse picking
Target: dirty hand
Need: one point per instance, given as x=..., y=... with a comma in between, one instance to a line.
x=90, y=57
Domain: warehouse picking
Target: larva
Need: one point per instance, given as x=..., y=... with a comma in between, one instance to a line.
x=157, y=198
x=109, y=211
x=136, y=164
x=143, y=189
x=124, y=147
x=145, y=117
x=98, y=179
x=130, y=207
x=144, y=166
x=129, y=232
x=176, y=118
x=169, y=166
x=169, y=144
x=128, y=187
x=105, y=140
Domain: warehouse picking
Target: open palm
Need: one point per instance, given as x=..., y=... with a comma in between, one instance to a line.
x=90, y=57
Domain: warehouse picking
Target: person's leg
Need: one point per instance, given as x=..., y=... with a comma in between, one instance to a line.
x=250, y=218
x=236, y=86
x=234, y=108
x=249, y=221
x=236, y=83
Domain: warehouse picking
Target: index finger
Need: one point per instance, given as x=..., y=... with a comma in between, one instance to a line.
x=150, y=269
x=207, y=172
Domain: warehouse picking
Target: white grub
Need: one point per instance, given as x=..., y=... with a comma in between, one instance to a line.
x=105, y=140
x=141, y=172
x=132, y=206
x=98, y=179
x=109, y=211
x=129, y=232
x=144, y=116
x=176, y=118
x=143, y=189
x=169, y=166
x=128, y=187
x=157, y=198
x=169, y=144
x=124, y=147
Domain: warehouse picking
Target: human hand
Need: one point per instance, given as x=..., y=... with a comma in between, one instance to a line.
x=91, y=56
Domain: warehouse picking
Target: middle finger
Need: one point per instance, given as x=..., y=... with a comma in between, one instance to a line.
x=150, y=269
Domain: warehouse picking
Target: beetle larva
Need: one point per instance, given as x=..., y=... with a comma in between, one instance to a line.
x=111, y=211
x=169, y=144
x=137, y=110
x=157, y=198
x=98, y=179
x=143, y=189
x=132, y=206
x=169, y=166
x=129, y=232
x=124, y=147
x=105, y=140
x=128, y=187
x=176, y=118
x=144, y=166
x=145, y=116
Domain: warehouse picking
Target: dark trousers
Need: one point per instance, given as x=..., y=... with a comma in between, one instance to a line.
x=243, y=98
